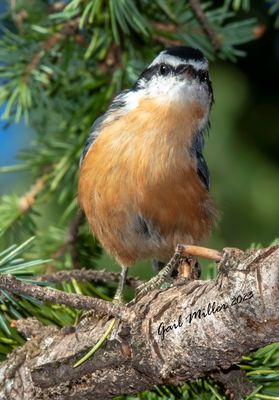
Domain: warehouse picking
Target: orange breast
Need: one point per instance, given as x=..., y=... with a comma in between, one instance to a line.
x=139, y=166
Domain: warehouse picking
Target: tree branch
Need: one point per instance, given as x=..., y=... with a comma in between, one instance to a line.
x=235, y=383
x=89, y=275
x=169, y=336
x=14, y=285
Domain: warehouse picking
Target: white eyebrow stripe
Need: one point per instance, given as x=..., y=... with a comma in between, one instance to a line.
x=176, y=61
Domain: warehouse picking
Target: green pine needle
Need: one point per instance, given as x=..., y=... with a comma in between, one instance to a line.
x=97, y=345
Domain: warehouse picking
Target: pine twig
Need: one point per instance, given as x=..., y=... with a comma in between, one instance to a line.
x=56, y=7
x=88, y=275
x=18, y=16
x=69, y=28
x=198, y=251
x=167, y=27
x=71, y=240
x=14, y=285
x=28, y=199
x=204, y=23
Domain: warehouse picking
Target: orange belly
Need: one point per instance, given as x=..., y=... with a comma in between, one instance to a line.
x=139, y=187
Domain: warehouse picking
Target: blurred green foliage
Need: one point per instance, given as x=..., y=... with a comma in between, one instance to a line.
x=60, y=67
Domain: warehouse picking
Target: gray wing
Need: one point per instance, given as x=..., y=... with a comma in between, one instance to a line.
x=94, y=131
x=196, y=151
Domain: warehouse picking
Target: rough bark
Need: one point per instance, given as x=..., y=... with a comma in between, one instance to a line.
x=181, y=333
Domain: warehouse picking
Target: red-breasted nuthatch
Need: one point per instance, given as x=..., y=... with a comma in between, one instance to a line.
x=144, y=183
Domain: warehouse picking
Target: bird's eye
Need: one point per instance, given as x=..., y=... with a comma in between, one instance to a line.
x=204, y=77
x=164, y=69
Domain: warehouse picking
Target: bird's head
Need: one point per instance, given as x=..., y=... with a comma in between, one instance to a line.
x=177, y=74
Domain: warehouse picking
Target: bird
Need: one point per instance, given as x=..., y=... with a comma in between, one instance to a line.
x=143, y=182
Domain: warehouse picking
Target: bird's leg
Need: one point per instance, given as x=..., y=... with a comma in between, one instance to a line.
x=161, y=277
x=118, y=297
x=157, y=265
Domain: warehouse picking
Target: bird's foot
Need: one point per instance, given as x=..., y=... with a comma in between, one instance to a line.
x=162, y=277
x=185, y=257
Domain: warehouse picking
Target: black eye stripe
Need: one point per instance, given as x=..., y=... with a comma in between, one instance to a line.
x=148, y=73
x=202, y=75
x=161, y=69
x=164, y=69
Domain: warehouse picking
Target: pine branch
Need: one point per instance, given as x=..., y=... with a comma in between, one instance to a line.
x=18, y=211
x=68, y=29
x=87, y=275
x=203, y=20
x=18, y=16
x=13, y=285
x=169, y=28
x=28, y=199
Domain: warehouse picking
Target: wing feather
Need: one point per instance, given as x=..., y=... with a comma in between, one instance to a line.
x=196, y=151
